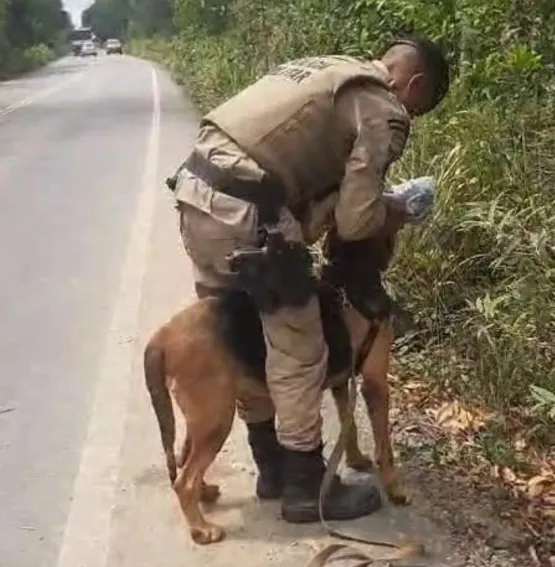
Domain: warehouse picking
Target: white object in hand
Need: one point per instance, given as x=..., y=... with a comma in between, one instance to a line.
x=415, y=198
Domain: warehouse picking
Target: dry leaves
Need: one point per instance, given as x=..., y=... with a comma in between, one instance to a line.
x=425, y=418
x=539, y=490
x=452, y=415
x=540, y=484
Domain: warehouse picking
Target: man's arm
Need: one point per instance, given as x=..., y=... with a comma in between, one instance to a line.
x=380, y=137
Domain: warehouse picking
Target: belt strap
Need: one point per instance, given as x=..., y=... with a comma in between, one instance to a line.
x=267, y=194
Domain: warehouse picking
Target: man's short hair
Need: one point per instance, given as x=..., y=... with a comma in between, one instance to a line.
x=435, y=63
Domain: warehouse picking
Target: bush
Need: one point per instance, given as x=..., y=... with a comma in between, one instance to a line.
x=480, y=276
x=21, y=61
x=36, y=56
x=31, y=33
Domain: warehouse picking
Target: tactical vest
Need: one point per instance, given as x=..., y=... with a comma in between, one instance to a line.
x=286, y=122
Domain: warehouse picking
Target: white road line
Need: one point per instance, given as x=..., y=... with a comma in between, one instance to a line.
x=87, y=534
x=39, y=95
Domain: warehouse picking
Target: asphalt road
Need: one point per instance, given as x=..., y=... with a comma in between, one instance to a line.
x=80, y=173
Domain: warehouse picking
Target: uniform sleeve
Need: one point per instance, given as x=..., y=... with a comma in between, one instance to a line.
x=380, y=132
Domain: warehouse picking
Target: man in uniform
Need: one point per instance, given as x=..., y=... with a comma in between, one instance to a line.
x=305, y=147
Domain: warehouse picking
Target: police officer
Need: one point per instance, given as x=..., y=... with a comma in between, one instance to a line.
x=304, y=148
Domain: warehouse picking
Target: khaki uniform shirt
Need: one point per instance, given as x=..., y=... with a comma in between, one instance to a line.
x=356, y=208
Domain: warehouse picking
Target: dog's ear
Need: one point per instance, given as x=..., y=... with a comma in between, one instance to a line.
x=369, y=254
x=331, y=245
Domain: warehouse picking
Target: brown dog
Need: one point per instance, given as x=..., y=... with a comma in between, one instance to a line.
x=204, y=354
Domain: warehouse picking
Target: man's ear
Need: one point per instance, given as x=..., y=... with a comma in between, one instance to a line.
x=418, y=85
x=419, y=90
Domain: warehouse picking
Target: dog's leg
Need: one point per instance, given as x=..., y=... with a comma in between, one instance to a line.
x=354, y=457
x=375, y=390
x=184, y=453
x=209, y=493
x=207, y=431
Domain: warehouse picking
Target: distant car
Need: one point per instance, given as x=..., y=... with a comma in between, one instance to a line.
x=88, y=48
x=114, y=46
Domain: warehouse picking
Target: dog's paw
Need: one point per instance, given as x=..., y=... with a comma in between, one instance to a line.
x=209, y=493
x=209, y=533
x=397, y=494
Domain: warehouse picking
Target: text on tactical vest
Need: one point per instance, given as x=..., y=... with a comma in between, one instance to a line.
x=301, y=69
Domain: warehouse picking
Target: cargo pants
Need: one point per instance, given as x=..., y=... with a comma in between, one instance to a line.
x=212, y=225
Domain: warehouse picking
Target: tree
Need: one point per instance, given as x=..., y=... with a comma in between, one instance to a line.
x=118, y=18
x=31, y=22
x=31, y=31
x=108, y=18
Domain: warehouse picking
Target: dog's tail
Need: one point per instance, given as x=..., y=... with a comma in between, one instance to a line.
x=155, y=376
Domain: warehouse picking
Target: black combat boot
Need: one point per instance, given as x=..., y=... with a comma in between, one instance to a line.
x=268, y=456
x=303, y=474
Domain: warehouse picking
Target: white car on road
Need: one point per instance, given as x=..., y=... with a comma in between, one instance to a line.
x=113, y=46
x=88, y=48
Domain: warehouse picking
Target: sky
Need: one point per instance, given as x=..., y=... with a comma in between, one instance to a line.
x=75, y=7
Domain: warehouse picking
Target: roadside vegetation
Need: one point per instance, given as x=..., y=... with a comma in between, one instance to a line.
x=479, y=278
x=32, y=33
